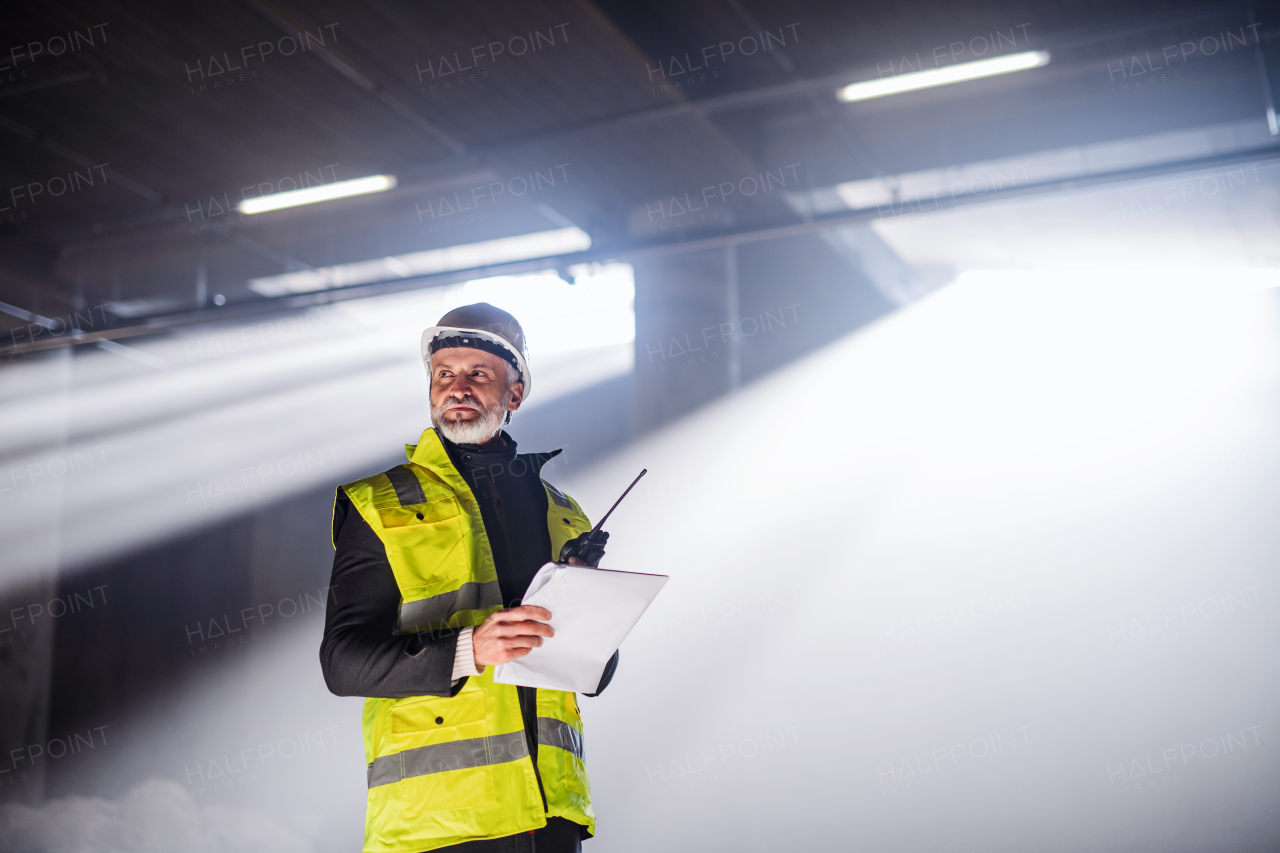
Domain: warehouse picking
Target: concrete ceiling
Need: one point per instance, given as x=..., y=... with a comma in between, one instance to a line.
x=610, y=106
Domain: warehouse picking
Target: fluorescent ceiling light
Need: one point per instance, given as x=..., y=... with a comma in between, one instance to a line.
x=943, y=76
x=323, y=192
x=523, y=247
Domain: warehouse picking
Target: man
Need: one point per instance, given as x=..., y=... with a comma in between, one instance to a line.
x=432, y=558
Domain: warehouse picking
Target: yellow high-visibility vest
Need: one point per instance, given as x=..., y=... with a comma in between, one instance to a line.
x=443, y=770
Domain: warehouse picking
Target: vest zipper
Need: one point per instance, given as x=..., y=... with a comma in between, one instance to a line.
x=526, y=694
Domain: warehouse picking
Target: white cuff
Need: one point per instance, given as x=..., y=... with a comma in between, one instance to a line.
x=464, y=659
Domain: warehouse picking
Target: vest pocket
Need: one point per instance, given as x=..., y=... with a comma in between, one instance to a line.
x=426, y=543
x=440, y=758
x=449, y=789
x=575, y=777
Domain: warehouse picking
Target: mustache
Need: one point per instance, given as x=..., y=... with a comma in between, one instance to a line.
x=464, y=400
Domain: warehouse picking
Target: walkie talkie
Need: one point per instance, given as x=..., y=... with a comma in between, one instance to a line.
x=589, y=546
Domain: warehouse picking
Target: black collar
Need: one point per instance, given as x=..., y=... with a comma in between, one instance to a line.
x=469, y=458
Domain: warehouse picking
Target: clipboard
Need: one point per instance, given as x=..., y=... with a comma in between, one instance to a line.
x=592, y=611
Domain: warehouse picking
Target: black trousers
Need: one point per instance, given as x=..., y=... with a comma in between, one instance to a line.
x=558, y=836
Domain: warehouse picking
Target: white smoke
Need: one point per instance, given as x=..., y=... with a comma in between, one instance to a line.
x=1026, y=472
x=154, y=817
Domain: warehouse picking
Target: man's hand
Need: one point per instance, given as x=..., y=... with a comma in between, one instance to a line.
x=587, y=547
x=510, y=634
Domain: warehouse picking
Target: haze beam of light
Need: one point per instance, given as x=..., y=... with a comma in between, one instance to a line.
x=1027, y=464
x=151, y=450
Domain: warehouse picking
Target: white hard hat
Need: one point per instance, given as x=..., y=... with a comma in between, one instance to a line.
x=484, y=327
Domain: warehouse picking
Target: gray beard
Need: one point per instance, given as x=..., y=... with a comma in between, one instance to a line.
x=475, y=431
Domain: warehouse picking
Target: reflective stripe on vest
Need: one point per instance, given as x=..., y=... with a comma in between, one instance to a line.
x=408, y=488
x=553, y=732
x=430, y=612
x=441, y=757
x=415, y=615
x=557, y=496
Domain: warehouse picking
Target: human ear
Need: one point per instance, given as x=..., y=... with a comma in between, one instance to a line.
x=517, y=396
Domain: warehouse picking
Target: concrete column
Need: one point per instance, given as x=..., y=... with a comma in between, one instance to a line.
x=681, y=360
x=709, y=321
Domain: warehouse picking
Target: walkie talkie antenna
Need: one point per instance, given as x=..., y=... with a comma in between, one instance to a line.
x=601, y=522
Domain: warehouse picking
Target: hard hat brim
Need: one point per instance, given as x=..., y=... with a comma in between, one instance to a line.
x=430, y=335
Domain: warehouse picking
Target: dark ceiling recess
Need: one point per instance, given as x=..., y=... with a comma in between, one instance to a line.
x=127, y=149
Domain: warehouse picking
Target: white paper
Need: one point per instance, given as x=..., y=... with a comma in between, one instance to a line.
x=592, y=611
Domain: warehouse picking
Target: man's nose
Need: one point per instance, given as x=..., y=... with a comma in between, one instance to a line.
x=464, y=390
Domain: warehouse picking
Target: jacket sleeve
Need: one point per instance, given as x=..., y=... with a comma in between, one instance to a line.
x=605, y=677
x=360, y=656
